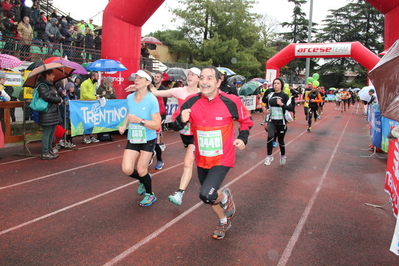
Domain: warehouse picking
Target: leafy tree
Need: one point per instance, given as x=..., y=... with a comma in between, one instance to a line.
x=357, y=21
x=225, y=32
x=298, y=34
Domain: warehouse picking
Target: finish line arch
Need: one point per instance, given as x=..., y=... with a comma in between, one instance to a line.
x=320, y=50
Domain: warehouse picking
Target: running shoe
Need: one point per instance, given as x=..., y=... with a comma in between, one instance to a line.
x=61, y=143
x=93, y=139
x=152, y=158
x=86, y=141
x=176, y=198
x=268, y=160
x=162, y=146
x=262, y=123
x=229, y=207
x=283, y=160
x=275, y=144
x=48, y=156
x=220, y=231
x=159, y=165
x=148, y=200
x=309, y=129
x=71, y=145
x=141, y=189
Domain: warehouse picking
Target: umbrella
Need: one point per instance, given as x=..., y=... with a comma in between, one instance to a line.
x=78, y=68
x=249, y=88
x=236, y=78
x=165, y=77
x=85, y=65
x=34, y=65
x=364, y=93
x=229, y=72
x=60, y=72
x=384, y=77
x=176, y=73
x=261, y=80
x=9, y=61
x=107, y=65
x=150, y=39
x=51, y=59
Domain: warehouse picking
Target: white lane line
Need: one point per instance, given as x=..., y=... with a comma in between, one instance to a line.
x=64, y=151
x=61, y=172
x=65, y=171
x=157, y=232
x=76, y=204
x=295, y=236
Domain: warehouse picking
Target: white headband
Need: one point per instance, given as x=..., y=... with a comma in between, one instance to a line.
x=140, y=73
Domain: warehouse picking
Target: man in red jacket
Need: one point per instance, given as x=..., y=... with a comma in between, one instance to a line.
x=211, y=114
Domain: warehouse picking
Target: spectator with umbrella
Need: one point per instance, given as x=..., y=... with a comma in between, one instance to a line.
x=43, y=78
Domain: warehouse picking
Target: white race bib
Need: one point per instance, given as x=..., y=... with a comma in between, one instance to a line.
x=210, y=143
x=137, y=134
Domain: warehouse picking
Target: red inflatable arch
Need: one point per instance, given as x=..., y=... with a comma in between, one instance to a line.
x=320, y=50
x=122, y=23
x=390, y=9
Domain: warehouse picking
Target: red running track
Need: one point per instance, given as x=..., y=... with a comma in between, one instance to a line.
x=82, y=210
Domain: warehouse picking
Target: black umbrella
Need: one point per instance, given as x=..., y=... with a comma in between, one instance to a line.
x=176, y=77
x=236, y=78
x=176, y=72
x=34, y=65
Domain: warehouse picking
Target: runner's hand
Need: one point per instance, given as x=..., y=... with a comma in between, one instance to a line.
x=185, y=115
x=239, y=144
x=122, y=130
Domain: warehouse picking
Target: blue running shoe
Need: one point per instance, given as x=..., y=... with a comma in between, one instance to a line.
x=148, y=200
x=159, y=165
x=141, y=189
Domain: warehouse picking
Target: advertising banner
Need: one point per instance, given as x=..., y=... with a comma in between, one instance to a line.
x=376, y=129
x=91, y=117
x=323, y=49
x=249, y=102
x=387, y=124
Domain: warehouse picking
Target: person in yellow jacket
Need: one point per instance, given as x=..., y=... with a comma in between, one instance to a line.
x=88, y=92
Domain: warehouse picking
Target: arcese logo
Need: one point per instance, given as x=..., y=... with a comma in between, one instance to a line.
x=328, y=49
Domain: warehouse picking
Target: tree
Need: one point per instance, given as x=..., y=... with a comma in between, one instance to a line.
x=223, y=31
x=357, y=21
x=298, y=34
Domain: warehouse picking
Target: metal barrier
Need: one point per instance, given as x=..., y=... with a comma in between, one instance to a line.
x=39, y=50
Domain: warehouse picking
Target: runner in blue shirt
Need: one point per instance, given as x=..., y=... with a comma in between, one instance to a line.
x=142, y=122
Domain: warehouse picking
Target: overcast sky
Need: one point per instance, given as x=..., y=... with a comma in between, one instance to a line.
x=279, y=9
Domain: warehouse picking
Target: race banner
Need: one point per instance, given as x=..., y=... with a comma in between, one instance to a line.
x=376, y=130
x=249, y=102
x=330, y=97
x=387, y=124
x=171, y=107
x=392, y=188
x=91, y=117
x=392, y=175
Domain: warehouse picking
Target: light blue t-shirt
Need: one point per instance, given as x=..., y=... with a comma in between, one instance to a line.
x=144, y=109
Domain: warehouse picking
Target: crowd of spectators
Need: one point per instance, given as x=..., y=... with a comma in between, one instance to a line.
x=21, y=26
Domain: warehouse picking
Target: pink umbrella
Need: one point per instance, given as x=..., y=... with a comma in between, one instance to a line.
x=9, y=61
x=150, y=39
x=78, y=68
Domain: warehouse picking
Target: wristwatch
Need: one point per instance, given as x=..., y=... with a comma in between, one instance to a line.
x=142, y=122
